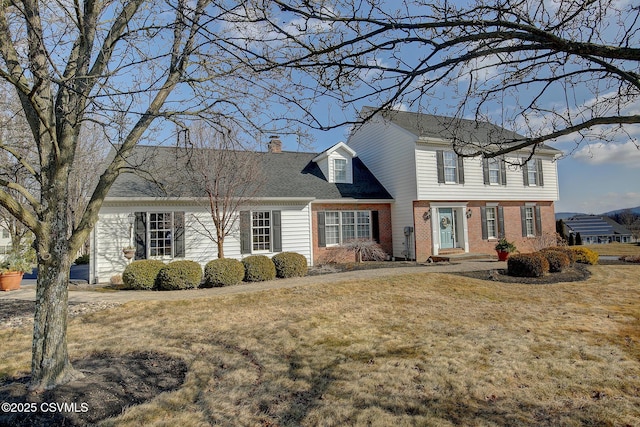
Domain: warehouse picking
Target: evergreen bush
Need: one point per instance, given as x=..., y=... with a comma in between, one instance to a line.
x=142, y=274
x=223, y=272
x=290, y=264
x=183, y=274
x=569, y=252
x=527, y=265
x=258, y=268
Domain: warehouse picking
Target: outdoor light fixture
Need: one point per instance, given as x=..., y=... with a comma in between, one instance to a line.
x=469, y=213
x=427, y=215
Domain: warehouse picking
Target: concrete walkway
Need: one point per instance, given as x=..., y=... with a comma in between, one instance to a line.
x=88, y=293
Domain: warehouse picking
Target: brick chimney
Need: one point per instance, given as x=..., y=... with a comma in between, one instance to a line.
x=275, y=145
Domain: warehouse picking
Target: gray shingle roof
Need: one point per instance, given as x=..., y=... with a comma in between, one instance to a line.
x=451, y=128
x=595, y=225
x=282, y=175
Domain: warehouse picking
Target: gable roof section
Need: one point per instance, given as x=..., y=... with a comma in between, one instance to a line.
x=283, y=175
x=340, y=145
x=428, y=126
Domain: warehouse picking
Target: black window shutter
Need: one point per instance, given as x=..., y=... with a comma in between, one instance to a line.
x=501, y=233
x=523, y=219
x=375, y=227
x=540, y=177
x=525, y=175
x=483, y=220
x=322, y=241
x=503, y=173
x=538, y=221
x=245, y=232
x=485, y=171
x=440, y=165
x=460, y=170
x=178, y=225
x=276, y=231
x=140, y=235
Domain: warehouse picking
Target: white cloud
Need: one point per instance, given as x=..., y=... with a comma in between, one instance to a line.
x=627, y=154
x=600, y=203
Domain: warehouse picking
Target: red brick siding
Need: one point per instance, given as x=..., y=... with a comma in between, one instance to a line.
x=322, y=255
x=512, y=225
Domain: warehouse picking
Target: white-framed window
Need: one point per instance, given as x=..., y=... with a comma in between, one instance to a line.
x=340, y=170
x=261, y=231
x=450, y=167
x=494, y=171
x=532, y=172
x=529, y=220
x=159, y=235
x=343, y=226
x=492, y=225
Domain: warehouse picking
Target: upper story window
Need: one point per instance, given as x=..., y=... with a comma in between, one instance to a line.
x=450, y=167
x=340, y=170
x=494, y=171
x=532, y=173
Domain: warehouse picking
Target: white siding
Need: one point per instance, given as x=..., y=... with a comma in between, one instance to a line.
x=474, y=187
x=326, y=165
x=111, y=234
x=388, y=152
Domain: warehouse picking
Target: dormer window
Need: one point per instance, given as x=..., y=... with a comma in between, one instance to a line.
x=340, y=170
x=336, y=163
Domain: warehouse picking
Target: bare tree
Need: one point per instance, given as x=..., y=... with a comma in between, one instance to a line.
x=547, y=70
x=121, y=65
x=225, y=172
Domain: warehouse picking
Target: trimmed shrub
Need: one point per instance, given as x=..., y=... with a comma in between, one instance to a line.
x=569, y=252
x=557, y=260
x=142, y=274
x=527, y=265
x=82, y=259
x=585, y=256
x=183, y=274
x=223, y=272
x=258, y=268
x=290, y=264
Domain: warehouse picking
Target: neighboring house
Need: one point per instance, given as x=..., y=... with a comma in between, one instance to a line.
x=445, y=203
x=306, y=203
x=596, y=229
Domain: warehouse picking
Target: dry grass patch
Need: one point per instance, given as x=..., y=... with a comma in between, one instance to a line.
x=615, y=249
x=421, y=349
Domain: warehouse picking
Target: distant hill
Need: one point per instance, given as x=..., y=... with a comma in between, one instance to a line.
x=635, y=210
x=565, y=215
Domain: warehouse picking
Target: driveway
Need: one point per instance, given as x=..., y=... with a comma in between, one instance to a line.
x=95, y=293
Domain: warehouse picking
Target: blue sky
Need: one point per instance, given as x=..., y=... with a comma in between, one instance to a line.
x=594, y=177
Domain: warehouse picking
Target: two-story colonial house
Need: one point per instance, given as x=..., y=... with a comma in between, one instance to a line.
x=445, y=203
x=397, y=181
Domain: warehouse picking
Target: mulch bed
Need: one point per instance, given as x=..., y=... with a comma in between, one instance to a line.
x=576, y=273
x=111, y=384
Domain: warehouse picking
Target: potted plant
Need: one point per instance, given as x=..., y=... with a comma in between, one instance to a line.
x=129, y=252
x=14, y=266
x=504, y=248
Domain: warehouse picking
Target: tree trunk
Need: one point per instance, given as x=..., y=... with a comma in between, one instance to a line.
x=50, y=364
x=220, y=243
